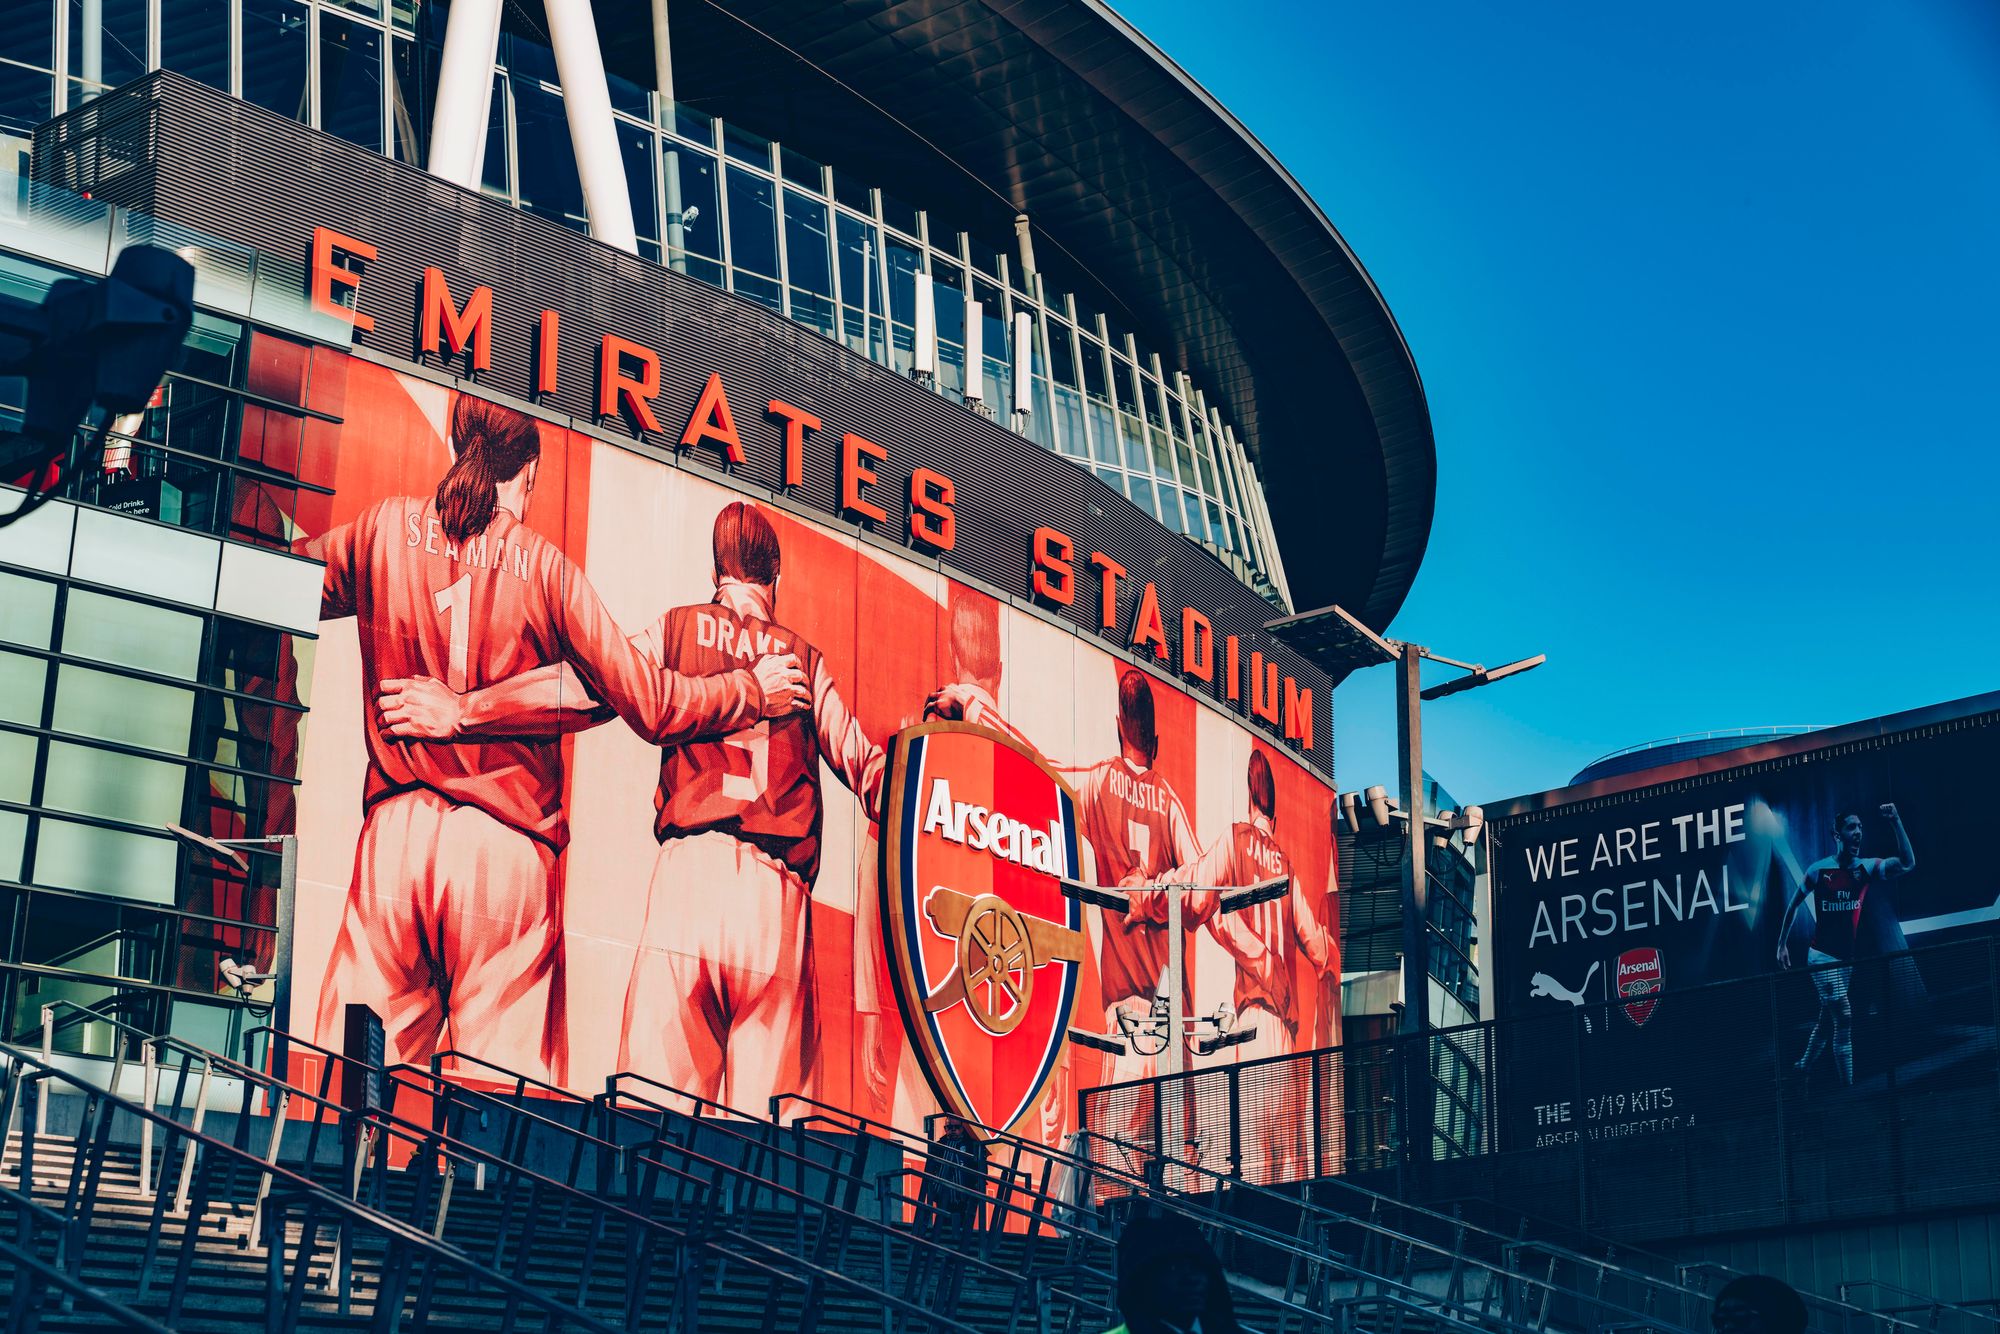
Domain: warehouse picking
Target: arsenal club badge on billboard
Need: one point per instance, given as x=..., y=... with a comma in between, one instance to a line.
x=983, y=946
x=1640, y=973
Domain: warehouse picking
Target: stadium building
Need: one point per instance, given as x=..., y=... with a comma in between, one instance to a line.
x=969, y=361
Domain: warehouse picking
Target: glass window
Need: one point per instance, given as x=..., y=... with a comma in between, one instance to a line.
x=629, y=97
x=22, y=681
x=853, y=193
x=1191, y=506
x=694, y=217
x=118, y=708
x=27, y=610
x=993, y=345
x=905, y=262
x=27, y=98
x=746, y=146
x=30, y=26
x=690, y=123
x=528, y=60
x=194, y=39
x=131, y=634
x=13, y=835
x=753, y=223
x=860, y=282
x=1123, y=386
x=115, y=54
x=1062, y=353
x=802, y=170
x=104, y=861
x=635, y=145
x=1216, y=532
x=17, y=770
x=493, y=168
x=350, y=81
x=764, y=291
x=1069, y=421
x=1112, y=478
x=549, y=185
x=948, y=299
x=113, y=786
x=412, y=89
x=808, y=245
x=984, y=257
x=899, y=215
x=1142, y=494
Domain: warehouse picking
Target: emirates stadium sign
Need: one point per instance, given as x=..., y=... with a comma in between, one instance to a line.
x=984, y=948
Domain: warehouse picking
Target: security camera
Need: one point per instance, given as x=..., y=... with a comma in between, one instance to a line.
x=241, y=979
x=689, y=214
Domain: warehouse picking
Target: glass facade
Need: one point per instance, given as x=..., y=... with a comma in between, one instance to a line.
x=716, y=201
x=138, y=692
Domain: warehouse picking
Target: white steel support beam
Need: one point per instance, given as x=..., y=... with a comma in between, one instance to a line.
x=663, y=53
x=592, y=132
x=465, y=92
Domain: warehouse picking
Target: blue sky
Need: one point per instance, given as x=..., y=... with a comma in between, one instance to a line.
x=1707, y=305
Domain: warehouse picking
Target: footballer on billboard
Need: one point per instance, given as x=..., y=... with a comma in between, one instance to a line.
x=606, y=760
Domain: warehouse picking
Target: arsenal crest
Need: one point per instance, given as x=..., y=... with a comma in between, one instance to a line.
x=1640, y=972
x=984, y=948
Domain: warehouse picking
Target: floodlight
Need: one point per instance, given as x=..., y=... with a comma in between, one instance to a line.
x=1471, y=820
x=1483, y=676
x=1377, y=798
x=1350, y=810
x=1232, y=900
x=202, y=843
x=1102, y=896
x=1209, y=1046
x=1097, y=1041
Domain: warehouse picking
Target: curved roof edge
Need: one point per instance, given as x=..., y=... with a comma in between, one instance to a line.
x=1062, y=110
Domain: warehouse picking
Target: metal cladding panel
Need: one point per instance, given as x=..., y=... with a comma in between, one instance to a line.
x=249, y=176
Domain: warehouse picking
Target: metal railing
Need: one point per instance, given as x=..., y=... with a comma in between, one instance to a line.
x=405, y=1263
x=1749, y=1143
x=1923, y=1311
x=694, y=1203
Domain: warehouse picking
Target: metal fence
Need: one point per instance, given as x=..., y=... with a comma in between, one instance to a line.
x=1842, y=1091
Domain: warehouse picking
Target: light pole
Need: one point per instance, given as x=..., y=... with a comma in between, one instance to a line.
x=1166, y=1023
x=1338, y=643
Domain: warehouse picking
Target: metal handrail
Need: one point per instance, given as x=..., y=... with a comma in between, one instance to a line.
x=33, y=1278
x=27, y=1071
x=1917, y=1302
x=1841, y=1308
x=1409, y=1243
x=778, y=1265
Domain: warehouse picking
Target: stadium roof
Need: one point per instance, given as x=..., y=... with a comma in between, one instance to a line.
x=1133, y=176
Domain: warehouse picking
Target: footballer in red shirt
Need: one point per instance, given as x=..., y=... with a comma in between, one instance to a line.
x=452, y=931
x=720, y=999
x=1264, y=941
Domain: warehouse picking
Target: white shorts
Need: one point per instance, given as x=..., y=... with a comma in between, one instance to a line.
x=719, y=1004
x=452, y=934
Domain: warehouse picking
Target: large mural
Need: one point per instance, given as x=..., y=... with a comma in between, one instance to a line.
x=596, y=773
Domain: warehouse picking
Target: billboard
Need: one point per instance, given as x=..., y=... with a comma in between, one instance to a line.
x=1618, y=919
x=603, y=754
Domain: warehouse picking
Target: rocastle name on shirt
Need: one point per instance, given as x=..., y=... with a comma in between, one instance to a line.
x=424, y=532
x=1146, y=796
